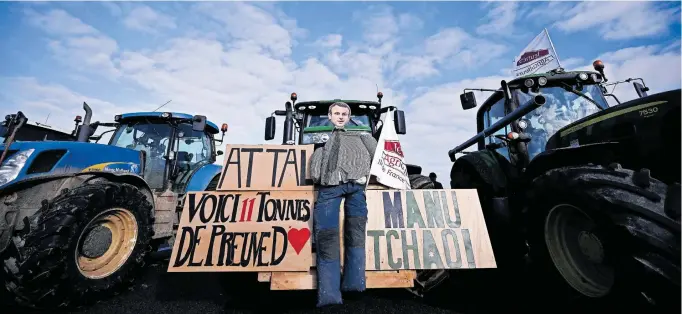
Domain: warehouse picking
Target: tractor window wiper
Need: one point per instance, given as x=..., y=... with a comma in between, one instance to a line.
x=577, y=92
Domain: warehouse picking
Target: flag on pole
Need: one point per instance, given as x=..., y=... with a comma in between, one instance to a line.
x=538, y=57
x=388, y=164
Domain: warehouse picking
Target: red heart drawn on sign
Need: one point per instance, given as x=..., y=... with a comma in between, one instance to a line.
x=298, y=238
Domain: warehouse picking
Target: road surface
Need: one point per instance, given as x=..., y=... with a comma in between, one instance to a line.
x=185, y=293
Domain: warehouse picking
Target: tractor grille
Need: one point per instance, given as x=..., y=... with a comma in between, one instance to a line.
x=45, y=161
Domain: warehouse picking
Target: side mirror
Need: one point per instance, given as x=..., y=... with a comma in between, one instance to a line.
x=641, y=90
x=270, y=126
x=218, y=153
x=399, y=121
x=468, y=100
x=198, y=123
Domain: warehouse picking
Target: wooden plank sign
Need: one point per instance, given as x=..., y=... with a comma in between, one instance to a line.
x=266, y=168
x=426, y=229
x=244, y=231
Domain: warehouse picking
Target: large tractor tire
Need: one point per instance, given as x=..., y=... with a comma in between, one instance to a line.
x=503, y=226
x=88, y=242
x=605, y=236
x=426, y=279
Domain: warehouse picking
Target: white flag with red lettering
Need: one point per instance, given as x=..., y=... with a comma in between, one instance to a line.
x=538, y=57
x=388, y=164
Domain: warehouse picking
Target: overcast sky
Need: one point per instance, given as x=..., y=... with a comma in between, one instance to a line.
x=217, y=58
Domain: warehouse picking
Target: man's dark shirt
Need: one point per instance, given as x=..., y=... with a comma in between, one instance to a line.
x=437, y=185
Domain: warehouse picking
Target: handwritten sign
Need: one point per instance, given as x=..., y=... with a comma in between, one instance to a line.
x=244, y=231
x=266, y=168
x=426, y=229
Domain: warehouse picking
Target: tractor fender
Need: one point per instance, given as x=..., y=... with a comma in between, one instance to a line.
x=22, y=199
x=598, y=153
x=202, y=177
x=491, y=167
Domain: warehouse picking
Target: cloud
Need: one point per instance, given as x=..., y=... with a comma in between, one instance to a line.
x=58, y=22
x=144, y=18
x=500, y=18
x=660, y=70
x=238, y=62
x=330, y=41
x=619, y=20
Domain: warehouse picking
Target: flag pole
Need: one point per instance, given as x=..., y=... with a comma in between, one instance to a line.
x=552, y=44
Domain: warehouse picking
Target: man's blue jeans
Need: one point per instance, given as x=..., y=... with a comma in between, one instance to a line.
x=326, y=232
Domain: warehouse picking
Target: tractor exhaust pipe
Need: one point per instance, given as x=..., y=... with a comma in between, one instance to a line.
x=529, y=106
x=85, y=129
x=288, y=134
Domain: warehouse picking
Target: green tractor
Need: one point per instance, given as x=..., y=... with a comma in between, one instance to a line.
x=309, y=118
x=589, y=193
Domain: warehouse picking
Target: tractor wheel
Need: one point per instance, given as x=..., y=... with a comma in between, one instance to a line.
x=426, y=278
x=506, y=238
x=420, y=182
x=83, y=244
x=605, y=236
x=488, y=290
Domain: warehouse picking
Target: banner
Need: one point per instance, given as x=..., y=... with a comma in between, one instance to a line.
x=538, y=57
x=426, y=229
x=388, y=164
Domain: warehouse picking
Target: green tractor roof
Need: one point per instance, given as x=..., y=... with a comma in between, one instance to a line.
x=329, y=102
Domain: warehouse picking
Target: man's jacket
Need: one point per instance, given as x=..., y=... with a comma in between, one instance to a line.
x=347, y=155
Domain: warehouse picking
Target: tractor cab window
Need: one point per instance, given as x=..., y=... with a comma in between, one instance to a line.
x=563, y=107
x=194, y=147
x=323, y=120
x=496, y=112
x=153, y=138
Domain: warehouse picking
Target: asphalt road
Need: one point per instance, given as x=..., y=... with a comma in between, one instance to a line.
x=185, y=293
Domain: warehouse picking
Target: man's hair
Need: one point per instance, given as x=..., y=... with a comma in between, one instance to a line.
x=432, y=174
x=339, y=104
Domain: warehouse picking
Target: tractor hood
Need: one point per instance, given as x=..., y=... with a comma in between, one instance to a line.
x=28, y=160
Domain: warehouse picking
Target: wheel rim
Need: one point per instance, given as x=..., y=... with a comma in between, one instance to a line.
x=106, y=242
x=576, y=251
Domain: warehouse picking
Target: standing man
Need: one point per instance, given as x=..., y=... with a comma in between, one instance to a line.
x=341, y=169
x=436, y=184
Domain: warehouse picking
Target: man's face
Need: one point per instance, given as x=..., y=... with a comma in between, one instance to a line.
x=433, y=178
x=339, y=116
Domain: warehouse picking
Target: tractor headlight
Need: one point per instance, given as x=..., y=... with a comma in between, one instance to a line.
x=11, y=166
x=315, y=138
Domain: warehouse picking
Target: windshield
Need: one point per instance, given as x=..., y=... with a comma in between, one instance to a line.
x=318, y=127
x=323, y=120
x=563, y=107
x=148, y=137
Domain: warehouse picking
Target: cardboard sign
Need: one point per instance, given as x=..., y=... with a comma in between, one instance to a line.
x=266, y=168
x=426, y=229
x=244, y=231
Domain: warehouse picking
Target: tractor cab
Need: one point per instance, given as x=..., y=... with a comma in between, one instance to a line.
x=535, y=107
x=175, y=145
x=310, y=119
x=564, y=97
x=32, y=131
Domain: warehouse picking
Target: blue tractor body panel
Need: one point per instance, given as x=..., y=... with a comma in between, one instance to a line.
x=203, y=177
x=212, y=127
x=77, y=157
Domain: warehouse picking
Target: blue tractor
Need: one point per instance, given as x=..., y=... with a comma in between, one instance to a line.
x=77, y=219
